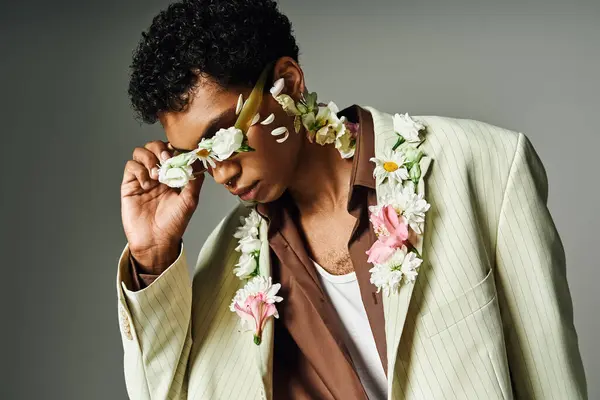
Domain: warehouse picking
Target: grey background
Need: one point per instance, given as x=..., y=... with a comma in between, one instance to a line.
x=531, y=66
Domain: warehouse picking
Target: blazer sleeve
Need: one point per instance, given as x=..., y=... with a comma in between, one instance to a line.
x=534, y=297
x=155, y=325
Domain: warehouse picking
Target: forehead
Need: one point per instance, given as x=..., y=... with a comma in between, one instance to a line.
x=208, y=104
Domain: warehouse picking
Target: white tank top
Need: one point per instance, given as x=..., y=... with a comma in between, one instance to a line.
x=344, y=294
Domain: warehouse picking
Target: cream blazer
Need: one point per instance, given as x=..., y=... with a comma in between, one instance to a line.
x=489, y=317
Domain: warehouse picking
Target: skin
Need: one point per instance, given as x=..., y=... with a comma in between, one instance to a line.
x=316, y=176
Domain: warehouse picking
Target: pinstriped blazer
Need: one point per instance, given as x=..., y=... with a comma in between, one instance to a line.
x=489, y=316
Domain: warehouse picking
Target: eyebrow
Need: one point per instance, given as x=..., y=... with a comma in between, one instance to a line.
x=226, y=115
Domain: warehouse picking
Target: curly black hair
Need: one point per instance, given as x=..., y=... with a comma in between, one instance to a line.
x=230, y=41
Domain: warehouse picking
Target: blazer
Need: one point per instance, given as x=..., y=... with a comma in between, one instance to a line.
x=489, y=316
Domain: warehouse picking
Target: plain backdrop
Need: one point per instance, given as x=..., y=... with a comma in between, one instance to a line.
x=67, y=131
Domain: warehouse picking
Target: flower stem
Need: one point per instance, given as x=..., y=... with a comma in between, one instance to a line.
x=398, y=143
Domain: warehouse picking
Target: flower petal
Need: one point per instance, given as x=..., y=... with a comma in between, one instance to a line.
x=279, y=131
x=268, y=120
x=240, y=103
x=283, y=139
x=277, y=87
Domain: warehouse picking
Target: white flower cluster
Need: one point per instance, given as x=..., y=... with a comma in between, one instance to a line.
x=397, y=174
x=402, y=161
x=320, y=121
x=177, y=171
x=256, y=286
x=388, y=276
x=255, y=302
x=249, y=245
x=406, y=201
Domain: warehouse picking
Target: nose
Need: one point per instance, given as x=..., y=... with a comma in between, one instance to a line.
x=225, y=171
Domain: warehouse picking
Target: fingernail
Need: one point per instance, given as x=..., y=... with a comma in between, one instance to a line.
x=154, y=172
x=146, y=184
x=165, y=155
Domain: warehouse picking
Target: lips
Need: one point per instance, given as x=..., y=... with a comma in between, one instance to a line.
x=242, y=191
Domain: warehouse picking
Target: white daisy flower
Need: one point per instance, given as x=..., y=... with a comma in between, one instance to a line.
x=408, y=128
x=391, y=166
x=205, y=154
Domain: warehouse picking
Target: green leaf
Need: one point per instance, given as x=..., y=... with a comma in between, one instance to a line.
x=245, y=147
x=415, y=173
x=311, y=100
x=253, y=102
x=297, y=123
x=398, y=143
x=301, y=107
x=414, y=250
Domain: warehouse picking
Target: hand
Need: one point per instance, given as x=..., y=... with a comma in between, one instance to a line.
x=155, y=216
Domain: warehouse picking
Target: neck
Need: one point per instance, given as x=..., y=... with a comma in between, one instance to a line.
x=322, y=179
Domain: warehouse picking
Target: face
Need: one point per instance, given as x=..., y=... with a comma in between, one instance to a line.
x=261, y=175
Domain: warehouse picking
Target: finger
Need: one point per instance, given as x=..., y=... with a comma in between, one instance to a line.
x=136, y=171
x=172, y=150
x=191, y=191
x=148, y=159
x=160, y=149
x=157, y=146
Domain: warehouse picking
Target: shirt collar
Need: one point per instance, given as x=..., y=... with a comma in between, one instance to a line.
x=362, y=167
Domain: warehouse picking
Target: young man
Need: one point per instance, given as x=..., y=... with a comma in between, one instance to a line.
x=380, y=256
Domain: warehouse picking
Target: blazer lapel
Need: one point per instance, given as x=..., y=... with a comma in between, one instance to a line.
x=396, y=305
x=264, y=352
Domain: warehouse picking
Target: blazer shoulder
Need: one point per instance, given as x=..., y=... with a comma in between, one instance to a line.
x=452, y=132
x=466, y=130
x=469, y=143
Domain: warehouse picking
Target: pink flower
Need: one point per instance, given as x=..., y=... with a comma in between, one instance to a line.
x=255, y=303
x=379, y=252
x=391, y=231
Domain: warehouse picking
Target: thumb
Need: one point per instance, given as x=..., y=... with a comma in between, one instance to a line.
x=191, y=191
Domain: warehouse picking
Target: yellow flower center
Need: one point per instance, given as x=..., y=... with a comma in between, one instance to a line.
x=390, y=166
x=202, y=153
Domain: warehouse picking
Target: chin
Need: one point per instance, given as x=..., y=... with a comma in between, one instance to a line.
x=272, y=193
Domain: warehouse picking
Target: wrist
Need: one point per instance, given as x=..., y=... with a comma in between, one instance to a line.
x=156, y=259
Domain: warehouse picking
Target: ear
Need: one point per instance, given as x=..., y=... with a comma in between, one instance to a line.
x=288, y=69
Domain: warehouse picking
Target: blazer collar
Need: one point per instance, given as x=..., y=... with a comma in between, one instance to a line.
x=396, y=305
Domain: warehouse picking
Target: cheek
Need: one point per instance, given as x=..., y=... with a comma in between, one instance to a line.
x=274, y=160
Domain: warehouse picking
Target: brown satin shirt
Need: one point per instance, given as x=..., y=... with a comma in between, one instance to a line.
x=311, y=360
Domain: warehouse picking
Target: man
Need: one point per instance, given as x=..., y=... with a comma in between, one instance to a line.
x=486, y=313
